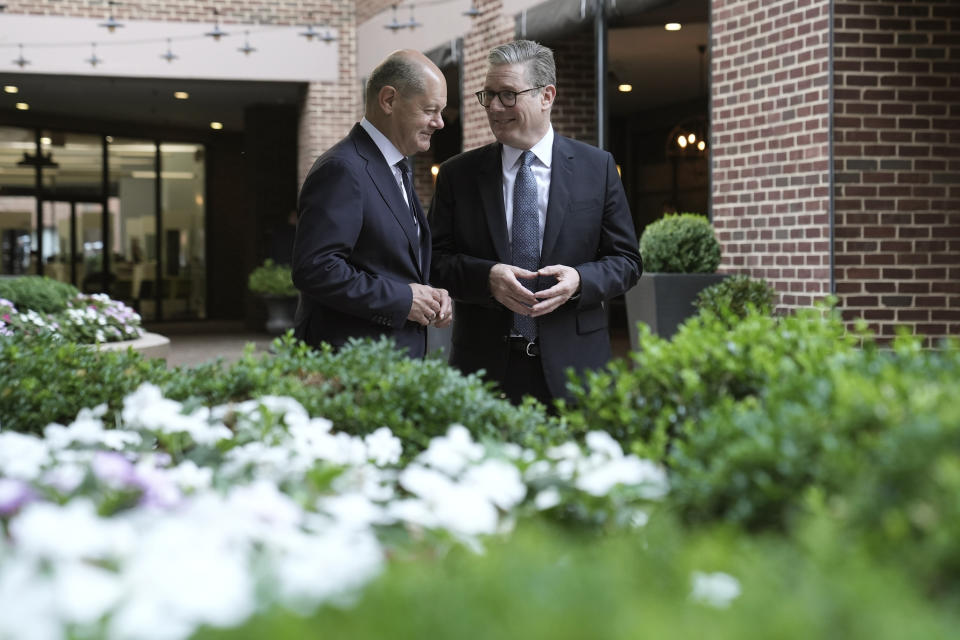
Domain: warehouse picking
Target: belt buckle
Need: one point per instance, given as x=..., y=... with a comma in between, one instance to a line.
x=527, y=349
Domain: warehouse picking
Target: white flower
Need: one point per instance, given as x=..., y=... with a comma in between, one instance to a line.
x=22, y=456
x=353, y=511
x=383, y=448
x=72, y=531
x=497, y=480
x=603, y=443
x=715, y=589
x=451, y=454
x=26, y=602
x=547, y=499
x=85, y=593
x=599, y=480
x=146, y=408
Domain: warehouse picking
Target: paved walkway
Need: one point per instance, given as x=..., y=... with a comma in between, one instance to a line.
x=195, y=343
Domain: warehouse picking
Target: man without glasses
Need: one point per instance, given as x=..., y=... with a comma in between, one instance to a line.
x=361, y=257
x=531, y=235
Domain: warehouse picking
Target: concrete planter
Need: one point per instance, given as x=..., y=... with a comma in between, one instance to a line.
x=151, y=345
x=280, y=313
x=664, y=300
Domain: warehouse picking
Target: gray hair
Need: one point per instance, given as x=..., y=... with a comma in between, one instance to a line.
x=397, y=71
x=536, y=58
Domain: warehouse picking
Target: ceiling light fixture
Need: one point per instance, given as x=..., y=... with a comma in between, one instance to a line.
x=111, y=24
x=181, y=95
x=394, y=25
x=43, y=160
x=327, y=36
x=93, y=60
x=216, y=126
x=246, y=49
x=20, y=61
x=217, y=32
x=412, y=22
x=10, y=88
x=169, y=55
x=673, y=26
x=22, y=106
x=625, y=88
x=472, y=12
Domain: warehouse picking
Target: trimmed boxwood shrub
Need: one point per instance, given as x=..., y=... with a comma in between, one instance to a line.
x=44, y=380
x=38, y=293
x=645, y=400
x=735, y=294
x=366, y=385
x=680, y=243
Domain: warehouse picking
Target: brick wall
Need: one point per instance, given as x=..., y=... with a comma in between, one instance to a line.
x=897, y=163
x=770, y=145
x=574, y=112
x=493, y=27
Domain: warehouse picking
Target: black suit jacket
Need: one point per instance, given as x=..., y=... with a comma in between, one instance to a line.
x=588, y=227
x=355, y=251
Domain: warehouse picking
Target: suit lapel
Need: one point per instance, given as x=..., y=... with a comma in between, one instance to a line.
x=558, y=203
x=491, y=196
x=382, y=177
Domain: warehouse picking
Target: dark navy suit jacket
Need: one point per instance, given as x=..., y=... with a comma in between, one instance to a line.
x=356, y=250
x=588, y=227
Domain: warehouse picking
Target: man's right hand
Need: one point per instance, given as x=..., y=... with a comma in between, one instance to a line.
x=506, y=288
x=427, y=303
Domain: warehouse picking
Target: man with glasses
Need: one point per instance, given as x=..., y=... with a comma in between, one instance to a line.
x=531, y=235
x=361, y=256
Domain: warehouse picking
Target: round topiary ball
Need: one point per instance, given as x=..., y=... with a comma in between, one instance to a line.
x=680, y=243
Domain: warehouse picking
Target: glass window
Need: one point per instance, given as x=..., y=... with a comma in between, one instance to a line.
x=184, y=239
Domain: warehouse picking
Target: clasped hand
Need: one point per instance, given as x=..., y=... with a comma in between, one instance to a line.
x=507, y=288
x=430, y=306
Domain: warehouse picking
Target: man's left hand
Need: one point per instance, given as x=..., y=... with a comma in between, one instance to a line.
x=568, y=283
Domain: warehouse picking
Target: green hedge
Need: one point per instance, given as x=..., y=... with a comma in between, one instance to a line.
x=364, y=386
x=645, y=400
x=38, y=293
x=540, y=585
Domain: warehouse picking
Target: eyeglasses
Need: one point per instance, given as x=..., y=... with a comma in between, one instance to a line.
x=507, y=98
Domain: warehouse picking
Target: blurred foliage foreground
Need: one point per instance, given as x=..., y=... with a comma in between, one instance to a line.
x=753, y=477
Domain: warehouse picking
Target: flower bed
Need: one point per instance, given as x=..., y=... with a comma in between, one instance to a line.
x=90, y=318
x=179, y=517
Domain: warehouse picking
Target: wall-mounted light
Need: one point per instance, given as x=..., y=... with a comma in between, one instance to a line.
x=673, y=26
x=10, y=88
x=625, y=88
x=216, y=126
x=181, y=95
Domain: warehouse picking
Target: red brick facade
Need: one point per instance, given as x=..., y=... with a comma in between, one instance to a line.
x=770, y=142
x=895, y=149
x=897, y=164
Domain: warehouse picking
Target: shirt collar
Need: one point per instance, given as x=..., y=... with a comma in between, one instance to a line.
x=390, y=153
x=543, y=150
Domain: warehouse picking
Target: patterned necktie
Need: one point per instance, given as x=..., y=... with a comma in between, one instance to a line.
x=525, y=241
x=404, y=166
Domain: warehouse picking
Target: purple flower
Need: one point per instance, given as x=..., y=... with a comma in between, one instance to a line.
x=13, y=495
x=115, y=470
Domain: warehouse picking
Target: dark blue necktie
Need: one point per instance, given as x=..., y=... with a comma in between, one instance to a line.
x=525, y=241
x=404, y=166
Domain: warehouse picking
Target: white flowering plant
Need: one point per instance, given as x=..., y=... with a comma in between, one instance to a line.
x=87, y=319
x=185, y=516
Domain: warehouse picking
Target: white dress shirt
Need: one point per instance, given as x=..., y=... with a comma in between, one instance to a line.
x=543, y=150
x=392, y=155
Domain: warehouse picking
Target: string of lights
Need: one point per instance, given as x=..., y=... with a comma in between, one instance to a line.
x=312, y=31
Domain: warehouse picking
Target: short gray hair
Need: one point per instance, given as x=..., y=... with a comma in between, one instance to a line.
x=399, y=72
x=536, y=58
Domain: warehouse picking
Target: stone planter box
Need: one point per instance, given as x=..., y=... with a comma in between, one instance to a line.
x=280, y=313
x=664, y=300
x=151, y=345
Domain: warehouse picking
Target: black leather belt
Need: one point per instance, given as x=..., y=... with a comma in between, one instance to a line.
x=524, y=346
